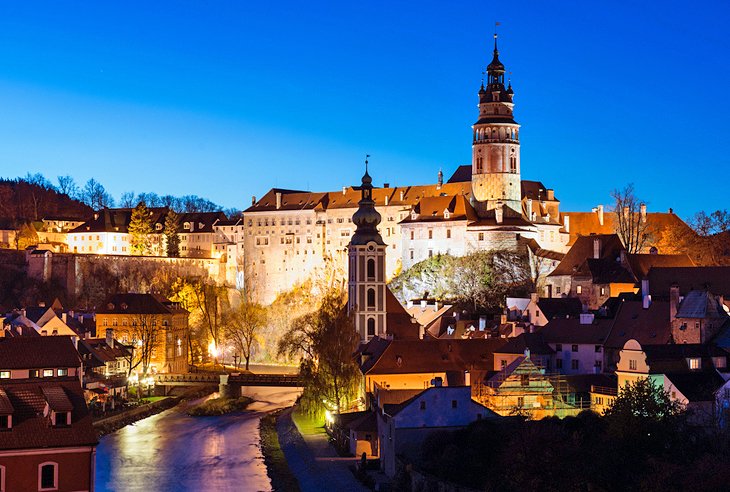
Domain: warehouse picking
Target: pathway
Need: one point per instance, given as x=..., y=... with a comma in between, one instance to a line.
x=312, y=459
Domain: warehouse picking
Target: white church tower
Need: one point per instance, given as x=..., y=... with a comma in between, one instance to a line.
x=366, y=267
x=496, y=143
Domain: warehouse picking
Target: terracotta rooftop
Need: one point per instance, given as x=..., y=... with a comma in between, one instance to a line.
x=32, y=430
x=649, y=326
x=139, y=304
x=38, y=353
x=714, y=279
x=583, y=249
x=571, y=331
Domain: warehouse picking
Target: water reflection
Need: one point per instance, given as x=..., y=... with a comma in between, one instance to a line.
x=174, y=452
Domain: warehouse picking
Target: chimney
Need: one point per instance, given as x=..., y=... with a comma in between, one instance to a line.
x=253, y=200
x=599, y=210
x=424, y=304
x=387, y=199
x=502, y=319
x=344, y=190
x=110, y=337
x=673, y=302
x=566, y=223
x=645, y=295
x=642, y=209
x=499, y=213
x=550, y=194
x=278, y=200
x=409, y=303
x=528, y=208
x=402, y=195
x=534, y=297
x=596, y=248
x=63, y=318
x=437, y=382
x=440, y=180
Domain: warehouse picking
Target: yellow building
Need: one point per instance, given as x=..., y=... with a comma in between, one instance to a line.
x=139, y=319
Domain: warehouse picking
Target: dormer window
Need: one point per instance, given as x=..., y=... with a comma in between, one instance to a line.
x=446, y=214
x=6, y=422
x=414, y=216
x=4, y=374
x=158, y=227
x=694, y=363
x=186, y=226
x=720, y=362
x=61, y=419
x=47, y=373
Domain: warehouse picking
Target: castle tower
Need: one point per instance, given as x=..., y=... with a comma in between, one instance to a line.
x=366, y=267
x=496, y=145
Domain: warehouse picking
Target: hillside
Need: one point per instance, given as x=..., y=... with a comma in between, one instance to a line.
x=22, y=201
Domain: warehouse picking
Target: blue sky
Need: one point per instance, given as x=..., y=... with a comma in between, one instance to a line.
x=227, y=99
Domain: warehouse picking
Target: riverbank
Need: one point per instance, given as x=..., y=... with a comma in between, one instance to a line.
x=311, y=458
x=277, y=468
x=111, y=424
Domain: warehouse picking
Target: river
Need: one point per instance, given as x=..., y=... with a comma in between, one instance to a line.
x=171, y=451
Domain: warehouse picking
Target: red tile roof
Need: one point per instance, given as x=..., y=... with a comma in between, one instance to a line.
x=38, y=353
x=139, y=304
x=32, y=430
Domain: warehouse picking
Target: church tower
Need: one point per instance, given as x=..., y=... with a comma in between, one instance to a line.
x=496, y=144
x=366, y=267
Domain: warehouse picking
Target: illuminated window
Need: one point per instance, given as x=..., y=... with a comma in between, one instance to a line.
x=694, y=363
x=47, y=373
x=4, y=374
x=579, y=289
x=62, y=372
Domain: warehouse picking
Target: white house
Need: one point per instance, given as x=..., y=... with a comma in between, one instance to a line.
x=402, y=428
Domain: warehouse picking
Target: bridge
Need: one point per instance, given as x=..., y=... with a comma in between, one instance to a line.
x=227, y=382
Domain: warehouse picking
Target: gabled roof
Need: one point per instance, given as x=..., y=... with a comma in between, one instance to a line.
x=139, y=304
x=38, y=352
x=428, y=356
x=701, y=304
x=605, y=271
x=583, y=249
x=649, y=326
x=533, y=342
x=399, y=323
x=32, y=430
x=641, y=263
x=714, y=279
x=560, y=307
x=571, y=331
x=587, y=223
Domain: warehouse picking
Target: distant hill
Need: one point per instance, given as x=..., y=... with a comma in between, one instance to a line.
x=22, y=201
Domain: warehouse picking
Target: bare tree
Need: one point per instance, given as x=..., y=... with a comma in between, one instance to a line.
x=95, y=195
x=631, y=224
x=67, y=186
x=145, y=340
x=243, y=327
x=127, y=200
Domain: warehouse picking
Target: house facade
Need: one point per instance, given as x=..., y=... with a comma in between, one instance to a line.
x=139, y=319
x=47, y=441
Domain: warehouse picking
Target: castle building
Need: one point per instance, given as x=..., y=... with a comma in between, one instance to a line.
x=290, y=236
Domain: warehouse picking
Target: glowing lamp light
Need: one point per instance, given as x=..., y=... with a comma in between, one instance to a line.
x=328, y=417
x=212, y=349
x=134, y=378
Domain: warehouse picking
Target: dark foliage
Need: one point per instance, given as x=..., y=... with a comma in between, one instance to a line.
x=22, y=201
x=579, y=454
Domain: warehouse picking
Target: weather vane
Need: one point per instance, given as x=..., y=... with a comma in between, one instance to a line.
x=366, y=162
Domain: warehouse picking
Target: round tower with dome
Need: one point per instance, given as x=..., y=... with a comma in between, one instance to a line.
x=496, y=142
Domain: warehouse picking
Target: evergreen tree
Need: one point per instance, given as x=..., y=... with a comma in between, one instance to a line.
x=140, y=229
x=172, y=244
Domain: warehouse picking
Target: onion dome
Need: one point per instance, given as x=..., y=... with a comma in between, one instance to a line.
x=366, y=218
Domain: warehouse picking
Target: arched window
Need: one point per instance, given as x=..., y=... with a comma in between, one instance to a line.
x=371, y=327
x=48, y=476
x=371, y=297
x=513, y=163
x=371, y=269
